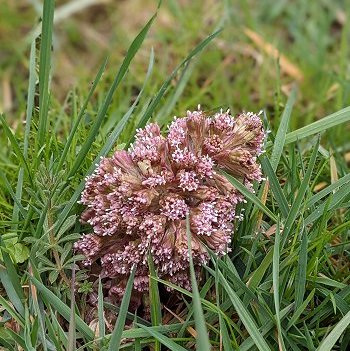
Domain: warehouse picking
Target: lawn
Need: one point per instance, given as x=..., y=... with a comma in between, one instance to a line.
x=80, y=77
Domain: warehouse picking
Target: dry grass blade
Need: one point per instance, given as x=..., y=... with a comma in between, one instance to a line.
x=181, y=320
x=286, y=65
x=333, y=168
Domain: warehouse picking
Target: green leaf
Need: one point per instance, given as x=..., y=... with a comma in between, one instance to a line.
x=134, y=47
x=19, y=318
x=154, y=299
x=173, y=346
x=62, y=308
x=328, y=343
x=249, y=195
x=244, y=316
x=275, y=186
x=67, y=224
x=223, y=328
x=147, y=115
x=319, y=126
x=15, y=146
x=119, y=325
x=297, y=204
x=265, y=329
x=18, y=252
x=282, y=131
x=328, y=205
x=202, y=339
x=259, y=273
x=300, y=279
x=100, y=311
x=44, y=70
x=300, y=310
x=276, y=284
x=72, y=323
x=69, y=141
x=105, y=149
x=11, y=280
x=330, y=188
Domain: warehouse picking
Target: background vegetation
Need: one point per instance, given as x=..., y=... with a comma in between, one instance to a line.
x=286, y=284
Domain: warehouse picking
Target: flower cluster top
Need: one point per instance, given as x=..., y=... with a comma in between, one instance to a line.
x=137, y=200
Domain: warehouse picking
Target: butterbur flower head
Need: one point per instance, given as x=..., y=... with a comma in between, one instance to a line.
x=137, y=201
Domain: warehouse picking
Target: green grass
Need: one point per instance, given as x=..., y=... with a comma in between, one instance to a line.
x=285, y=285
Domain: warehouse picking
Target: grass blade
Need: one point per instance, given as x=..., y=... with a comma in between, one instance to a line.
x=19, y=318
x=10, y=280
x=300, y=279
x=265, y=329
x=245, y=316
x=44, y=70
x=29, y=112
x=259, y=273
x=30, y=98
x=134, y=47
x=202, y=340
x=165, y=112
x=14, y=144
x=61, y=334
x=282, y=131
x=319, y=126
x=68, y=143
x=72, y=326
x=300, y=310
x=100, y=311
x=329, y=204
x=275, y=186
x=342, y=181
x=146, y=116
x=17, y=338
x=136, y=333
x=276, y=284
x=156, y=313
x=173, y=346
x=224, y=335
x=295, y=209
x=7, y=185
x=120, y=323
x=250, y=196
x=106, y=148
x=328, y=343
x=119, y=128
x=62, y=308
x=37, y=311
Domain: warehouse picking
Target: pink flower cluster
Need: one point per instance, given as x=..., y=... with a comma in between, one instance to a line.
x=137, y=200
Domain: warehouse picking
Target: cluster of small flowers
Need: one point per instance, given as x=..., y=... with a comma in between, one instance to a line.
x=137, y=200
